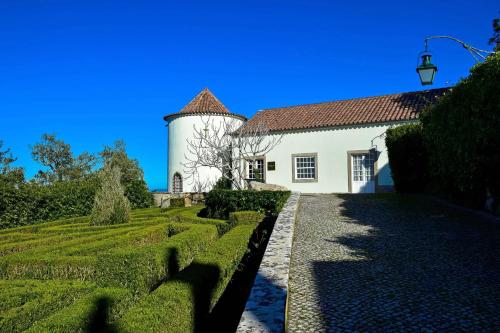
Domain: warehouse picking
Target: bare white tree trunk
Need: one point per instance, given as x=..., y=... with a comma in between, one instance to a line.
x=227, y=147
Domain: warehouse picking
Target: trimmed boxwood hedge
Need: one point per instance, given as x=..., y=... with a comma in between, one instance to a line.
x=92, y=313
x=219, y=203
x=35, y=300
x=140, y=268
x=245, y=217
x=407, y=158
x=194, y=291
x=88, y=277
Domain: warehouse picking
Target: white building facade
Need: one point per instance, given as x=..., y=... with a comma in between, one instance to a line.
x=204, y=109
x=341, y=160
x=332, y=147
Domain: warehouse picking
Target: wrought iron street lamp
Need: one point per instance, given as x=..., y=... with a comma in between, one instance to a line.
x=426, y=70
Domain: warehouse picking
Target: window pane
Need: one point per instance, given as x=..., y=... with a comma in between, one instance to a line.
x=305, y=167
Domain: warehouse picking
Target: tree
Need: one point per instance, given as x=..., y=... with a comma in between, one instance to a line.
x=7, y=171
x=116, y=156
x=227, y=147
x=57, y=156
x=110, y=204
x=132, y=176
x=496, y=34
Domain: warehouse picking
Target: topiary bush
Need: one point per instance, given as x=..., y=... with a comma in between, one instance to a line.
x=110, y=204
x=223, y=183
x=245, y=217
x=407, y=158
x=220, y=203
x=461, y=133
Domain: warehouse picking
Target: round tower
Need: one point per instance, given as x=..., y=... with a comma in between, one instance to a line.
x=205, y=107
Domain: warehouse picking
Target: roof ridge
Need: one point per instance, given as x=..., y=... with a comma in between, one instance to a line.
x=205, y=102
x=355, y=98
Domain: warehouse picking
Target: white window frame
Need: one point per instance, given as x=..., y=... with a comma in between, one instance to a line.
x=309, y=162
x=363, y=167
x=250, y=168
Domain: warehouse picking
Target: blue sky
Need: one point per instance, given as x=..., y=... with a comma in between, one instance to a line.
x=96, y=71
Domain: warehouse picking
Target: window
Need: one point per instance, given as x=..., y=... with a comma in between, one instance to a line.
x=177, y=183
x=305, y=168
x=256, y=169
x=363, y=167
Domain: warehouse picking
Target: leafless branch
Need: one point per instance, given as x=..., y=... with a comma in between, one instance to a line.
x=227, y=147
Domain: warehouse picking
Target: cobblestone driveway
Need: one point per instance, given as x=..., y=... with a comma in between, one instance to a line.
x=386, y=263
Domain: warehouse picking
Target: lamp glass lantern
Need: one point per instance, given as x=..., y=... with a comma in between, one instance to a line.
x=426, y=70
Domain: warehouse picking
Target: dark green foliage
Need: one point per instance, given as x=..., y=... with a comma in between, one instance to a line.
x=31, y=203
x=177, y=202
x=110, y=204
x=26, y=301
x=407, y=158
x=220, y=203
x=144, y=268
x=182, y=302
x=8, y=173
x=132, y=176
x=90, y=276
x=495, y=39
x=245, y=217
x=223, y=183
x=138, y=194
x=462, y=136
x=92, y=313
x=56, y=156
x=192, y=215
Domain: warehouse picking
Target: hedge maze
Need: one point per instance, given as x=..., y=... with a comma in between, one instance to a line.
x=162, y=272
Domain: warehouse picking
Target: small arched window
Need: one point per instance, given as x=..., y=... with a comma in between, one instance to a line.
x=177, y=183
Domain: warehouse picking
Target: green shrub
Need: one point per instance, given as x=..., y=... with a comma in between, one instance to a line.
x=190, y=215
x=170, y=308
x=461, y=133
x=92, y=313
x=220, y=203
x=143, y=268
x=127, y=264
x=138, y=194
x=245, y=217
x=31, y=203
x=177, y=202
x=223, y=183
x=39, y=299
x=407, y=158
x=110, y=204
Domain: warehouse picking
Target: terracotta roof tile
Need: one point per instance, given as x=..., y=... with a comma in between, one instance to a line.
x=377, y=109
x=203, y=103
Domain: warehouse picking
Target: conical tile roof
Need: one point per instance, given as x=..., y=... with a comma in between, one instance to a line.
x=203, y=103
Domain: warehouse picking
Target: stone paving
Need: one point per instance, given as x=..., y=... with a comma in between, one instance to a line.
x=388, y=263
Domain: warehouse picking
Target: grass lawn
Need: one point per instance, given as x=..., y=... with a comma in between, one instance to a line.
x=161, y=272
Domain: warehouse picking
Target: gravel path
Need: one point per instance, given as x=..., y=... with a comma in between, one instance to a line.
x=388, y=263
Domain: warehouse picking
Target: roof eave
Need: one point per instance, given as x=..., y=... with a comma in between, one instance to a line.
x=169, y=117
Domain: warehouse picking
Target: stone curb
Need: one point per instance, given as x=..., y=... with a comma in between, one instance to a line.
x=266, y=306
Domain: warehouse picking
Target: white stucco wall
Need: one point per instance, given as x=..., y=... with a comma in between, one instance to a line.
x=331, y=147
x=180, y=130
